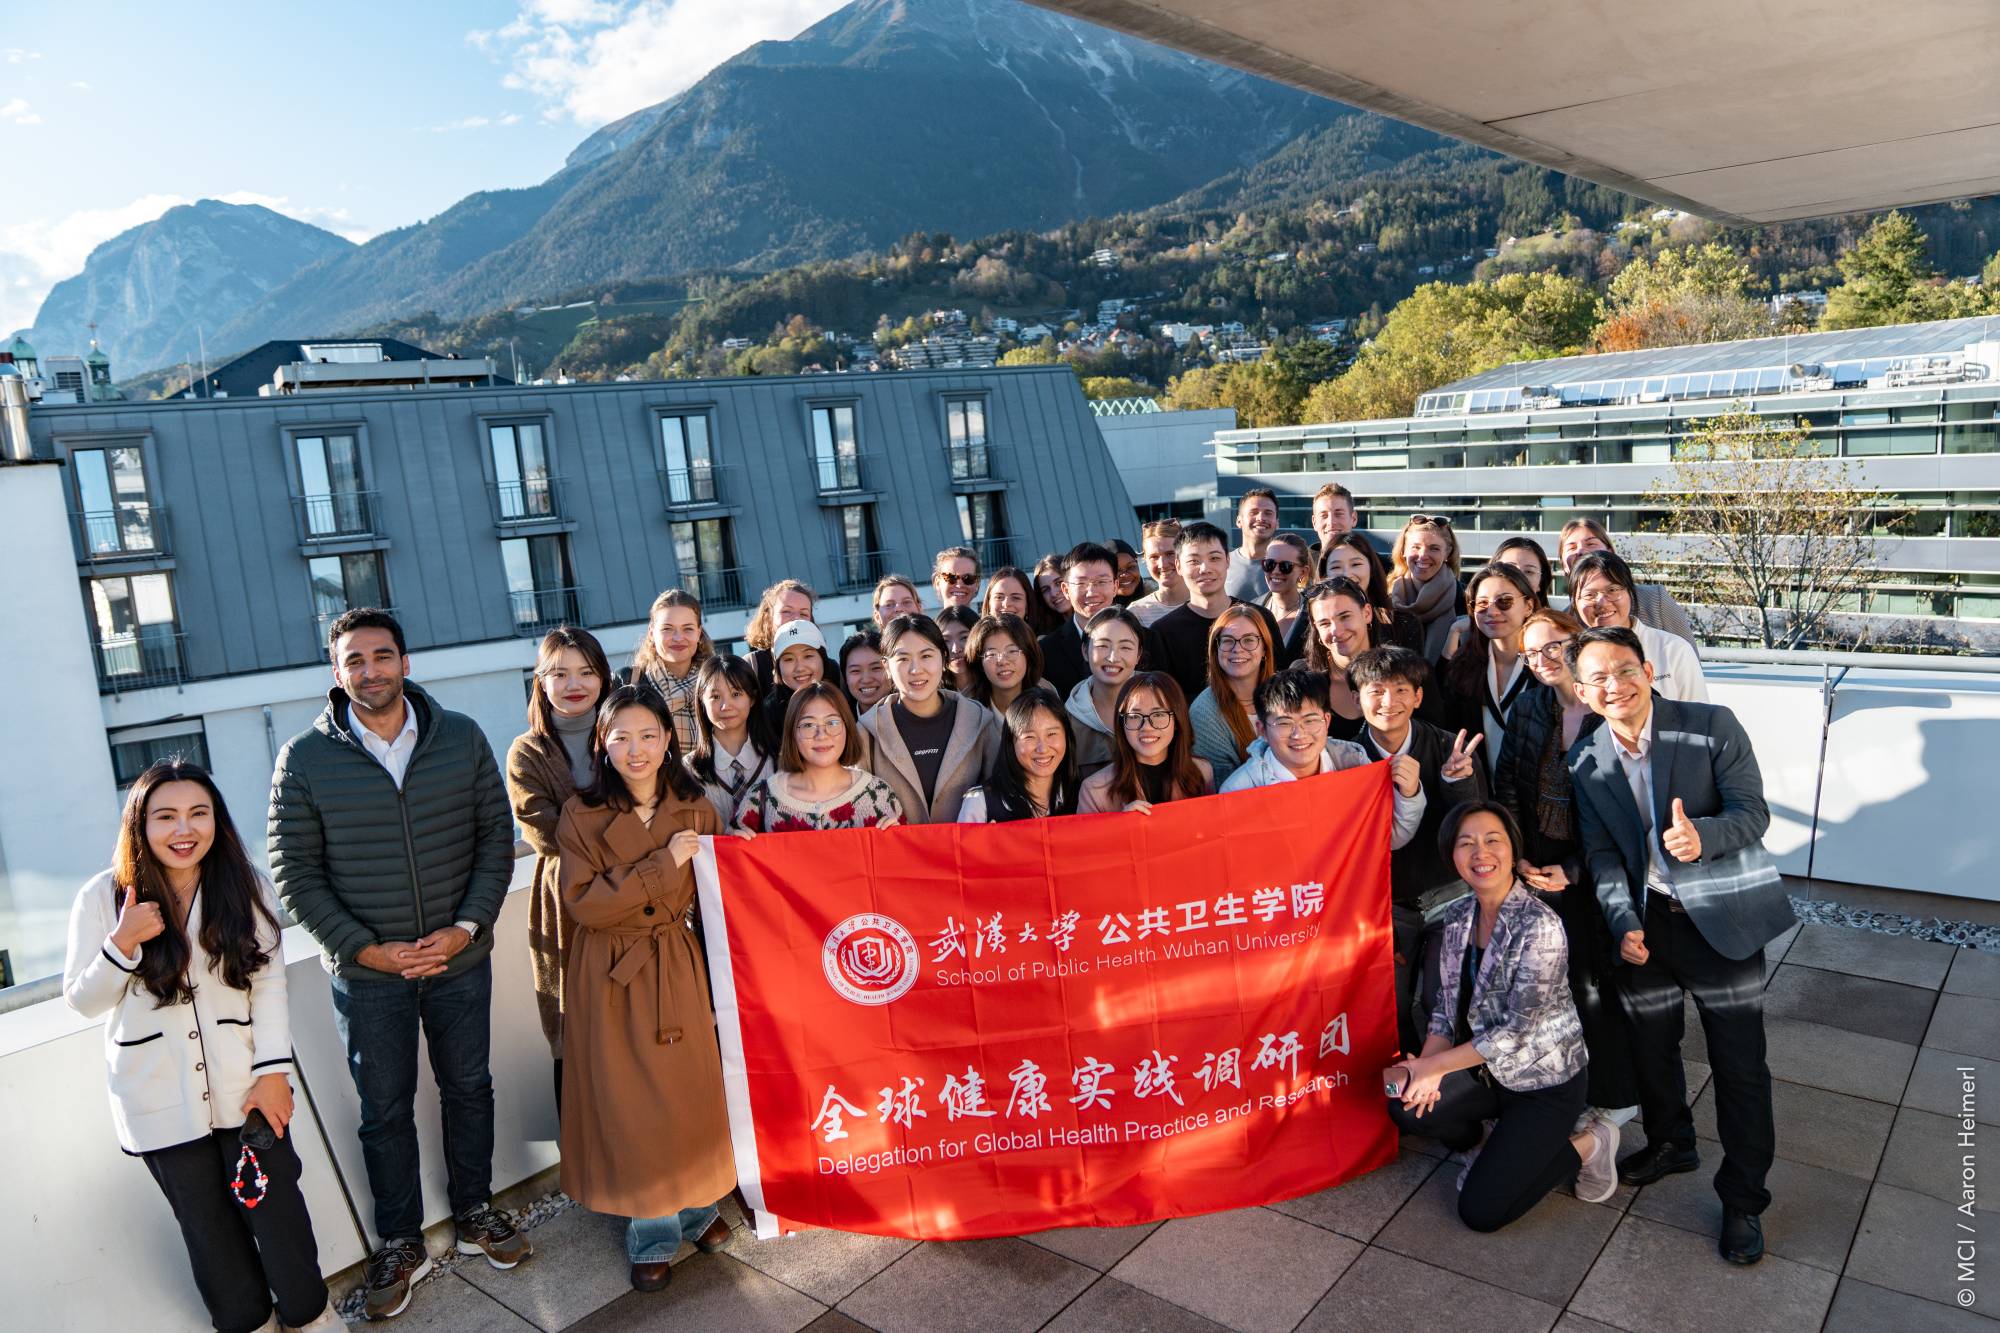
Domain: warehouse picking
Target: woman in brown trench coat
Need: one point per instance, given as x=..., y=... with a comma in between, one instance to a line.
x=545, y=766
x=645, y=1132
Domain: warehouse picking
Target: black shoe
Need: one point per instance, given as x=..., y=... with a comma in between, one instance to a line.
x=1655, y=1161
x=392, y=1271
x=652, y=1275
x=1742, y=1240
x=712, y=1240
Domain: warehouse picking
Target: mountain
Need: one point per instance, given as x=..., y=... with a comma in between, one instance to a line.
x=157, y=289
x=887, y=117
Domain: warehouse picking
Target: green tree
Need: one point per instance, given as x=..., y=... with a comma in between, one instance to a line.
x=1309, y=360
x=1115, y=386
x=1713, y=269
x=1261, y=393
x=1888, y=279
x=1030, y=356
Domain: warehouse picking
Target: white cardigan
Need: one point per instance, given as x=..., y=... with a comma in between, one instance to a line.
x=1677, y=670
x=177, y=1071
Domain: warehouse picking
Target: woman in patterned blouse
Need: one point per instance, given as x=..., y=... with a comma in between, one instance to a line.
x=818, y=784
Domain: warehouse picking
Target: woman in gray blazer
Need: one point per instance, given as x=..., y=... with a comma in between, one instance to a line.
x=1504, y=1043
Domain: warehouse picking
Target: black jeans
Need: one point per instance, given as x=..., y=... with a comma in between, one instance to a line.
x=1729, y=995
x=1417, y=976
x=1528, y=1153
x=242, y=1257
x=378, y=1021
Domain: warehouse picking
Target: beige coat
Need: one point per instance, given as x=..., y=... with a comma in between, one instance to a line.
x=538, y=782
x=644, y=1128
x=968, y=757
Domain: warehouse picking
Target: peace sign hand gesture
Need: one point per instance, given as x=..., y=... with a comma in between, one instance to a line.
x=1682, y=839
x=1459, y=767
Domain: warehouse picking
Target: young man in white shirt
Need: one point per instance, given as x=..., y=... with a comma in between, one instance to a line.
x=1293, y=708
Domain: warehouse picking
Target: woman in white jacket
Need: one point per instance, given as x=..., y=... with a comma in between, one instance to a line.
x=178, y=944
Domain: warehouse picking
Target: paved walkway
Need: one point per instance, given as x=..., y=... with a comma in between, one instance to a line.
x=1867, y=1035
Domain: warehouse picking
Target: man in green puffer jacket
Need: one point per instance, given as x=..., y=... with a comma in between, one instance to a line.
x=392, y=843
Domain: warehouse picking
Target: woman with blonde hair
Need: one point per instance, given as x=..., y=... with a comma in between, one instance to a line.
x=1241, y=656
x=1424, y=579
x=669, y=658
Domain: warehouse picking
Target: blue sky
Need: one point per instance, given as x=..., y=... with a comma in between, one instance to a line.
x=356, y=117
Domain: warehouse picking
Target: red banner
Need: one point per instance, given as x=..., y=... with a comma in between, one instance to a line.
x=956, y=1031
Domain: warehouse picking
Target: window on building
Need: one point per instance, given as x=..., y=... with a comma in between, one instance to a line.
x=330, y=487
x=858, y=554
x=344, y=582
x=965, y=437
x=342, y=353
x=114, y=506
x=707, y=562
x=836, y=448
x=135, y=749
x=521, y=471
x=689, y=460
x=982, y=522
x=137, y=638
x=540, y=589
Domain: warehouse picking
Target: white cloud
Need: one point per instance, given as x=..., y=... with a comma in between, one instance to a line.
x=79, y=85
x=16, y=56
x=17, y=112
x=593, y=61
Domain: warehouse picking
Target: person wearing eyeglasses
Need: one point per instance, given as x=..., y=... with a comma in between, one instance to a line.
x=863, y=673
x=1286, y=571
x=1352, y=557
x=1115, y=646
x=1292, y=710
x=1651, y=602
x=1422, y=881
x=1006, y=662
x=1342, y=630
x=1179, y=639
x=1424, y=581
x=1257, y=519
x=1532, y=780
x=1240, y=653
x=930, y=744
x=894, y=596
x=1152, y=758
x=1156, y=546
x=1089, y=584
x=1480, y=683
x=1036, y=776
x=955, y=577
x=955, y=623
x=1603, y=596
x=1670, y=806
x=818, y=783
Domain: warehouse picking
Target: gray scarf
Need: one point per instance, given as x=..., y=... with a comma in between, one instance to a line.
x=574, y=733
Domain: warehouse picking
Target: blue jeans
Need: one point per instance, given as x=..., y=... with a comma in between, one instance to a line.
x=652, y=1240
x=378, y=1021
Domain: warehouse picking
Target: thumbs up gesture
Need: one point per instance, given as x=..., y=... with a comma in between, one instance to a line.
x=137, y=923
x=1682, y=840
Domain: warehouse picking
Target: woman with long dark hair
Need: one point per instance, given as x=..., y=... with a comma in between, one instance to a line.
x=735, y=747
x=1152, y=755
x=956, y=623
x=1009, y=592
x=1114, y=643
x=1342, y=630
x=1005, y=659
x=1035, y=776
x=864, y=674
x=669, y=655
x=1479, y=683
x=178, y=944
x=645, y=1135
x=1524, y=554
x=546, y=765
x=1050, y=605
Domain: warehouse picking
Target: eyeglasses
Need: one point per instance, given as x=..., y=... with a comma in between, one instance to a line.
x=960, y=580
x=1099, y=585
x=1598, y=596
x=1552, y=651
x=1279, y=566
x=1158, y=720
x=832, y=726
x=1625, y=675
x=1238, y=643
x=1007, y=654
x=1305, y=724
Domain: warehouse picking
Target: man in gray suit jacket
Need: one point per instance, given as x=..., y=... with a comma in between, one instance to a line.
x=1670, y=809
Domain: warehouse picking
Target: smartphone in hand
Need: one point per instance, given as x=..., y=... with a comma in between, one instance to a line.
x=1395, y=1080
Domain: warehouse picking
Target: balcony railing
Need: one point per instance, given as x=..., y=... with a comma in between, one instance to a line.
x=534, y=500
x=131, y=530
x=539, y=610
x=841, y=473
x=718, y=588
x=857, y=571
x=696, y=487
x=971, y=461
x=323, y=622
x=148, y=657
x=994, y=552
x=336, y=516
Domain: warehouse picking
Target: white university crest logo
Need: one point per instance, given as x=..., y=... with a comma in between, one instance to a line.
x=870, y=958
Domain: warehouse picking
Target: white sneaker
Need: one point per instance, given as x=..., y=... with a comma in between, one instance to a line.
x=1619, y=1115
x=1597, y=1178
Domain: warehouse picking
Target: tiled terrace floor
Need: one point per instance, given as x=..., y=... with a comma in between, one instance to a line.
x=1866, y=1033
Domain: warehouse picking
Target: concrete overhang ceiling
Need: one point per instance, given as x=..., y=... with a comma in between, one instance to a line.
x=1752, y=111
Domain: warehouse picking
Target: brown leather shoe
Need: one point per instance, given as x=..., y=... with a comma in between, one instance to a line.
x=652, y=1276
x=713, y=1239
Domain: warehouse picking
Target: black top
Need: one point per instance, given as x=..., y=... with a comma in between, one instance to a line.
x=1063, y=663
x=925, y=738
x=1180, y=644
x=1419, y=875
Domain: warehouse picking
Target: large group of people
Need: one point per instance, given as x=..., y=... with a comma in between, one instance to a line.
x=1575, y=844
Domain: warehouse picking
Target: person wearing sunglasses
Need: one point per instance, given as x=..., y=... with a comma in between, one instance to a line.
x=1152, y=758
x=1240, y=653
x=1424, y=580
x=1286, y=568
x=1480, y=682
x=1524, y=554
x=955, y=578
x=1603, y=595
x=1532, y=781
x=1671, y=811
x=1257, y=519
